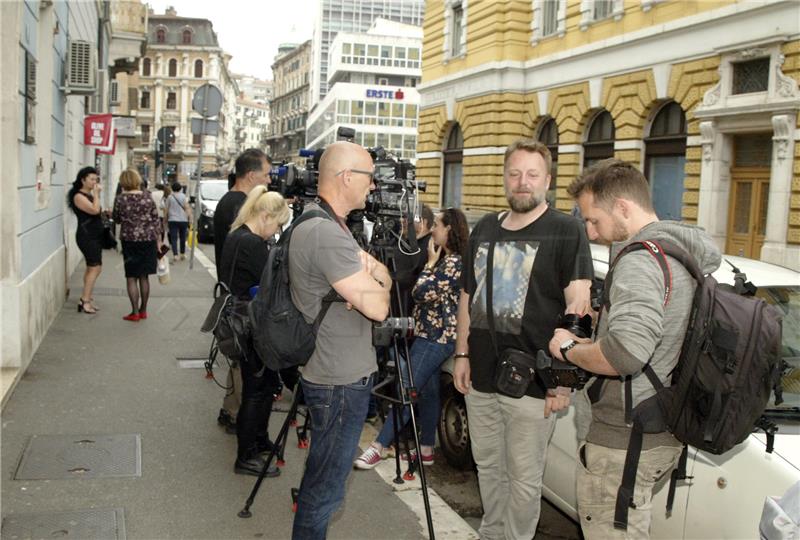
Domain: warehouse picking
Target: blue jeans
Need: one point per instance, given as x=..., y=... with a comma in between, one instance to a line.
x=177, y=236
x=426, y=359
x=337, y=418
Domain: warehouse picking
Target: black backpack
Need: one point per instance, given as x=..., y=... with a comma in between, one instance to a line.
x=729, y=363
x=281, y=336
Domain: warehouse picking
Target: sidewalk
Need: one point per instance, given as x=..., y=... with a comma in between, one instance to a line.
x=99, y=375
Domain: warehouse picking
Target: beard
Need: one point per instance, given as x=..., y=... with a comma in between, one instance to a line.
x=524, y=204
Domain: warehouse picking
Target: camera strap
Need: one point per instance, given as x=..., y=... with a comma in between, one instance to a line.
x=495, y=234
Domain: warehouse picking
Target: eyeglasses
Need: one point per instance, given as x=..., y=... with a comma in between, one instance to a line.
x=371, y=174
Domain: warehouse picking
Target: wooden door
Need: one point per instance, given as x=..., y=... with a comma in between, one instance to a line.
x=747, y=213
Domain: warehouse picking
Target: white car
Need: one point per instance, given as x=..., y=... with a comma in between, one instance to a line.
x=725, y=496
x=209, y=194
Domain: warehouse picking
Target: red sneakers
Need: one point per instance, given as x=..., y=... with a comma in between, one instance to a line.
x=132, y=317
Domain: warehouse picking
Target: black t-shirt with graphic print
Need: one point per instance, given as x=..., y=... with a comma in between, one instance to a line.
x=532, y=267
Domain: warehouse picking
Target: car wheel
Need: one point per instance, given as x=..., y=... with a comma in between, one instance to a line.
x=453, y=431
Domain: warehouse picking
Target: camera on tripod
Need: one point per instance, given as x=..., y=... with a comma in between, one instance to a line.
x=393, y=327
x=554, y=372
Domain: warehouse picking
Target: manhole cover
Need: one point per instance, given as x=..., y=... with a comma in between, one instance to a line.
x=53, y=457
x=84, y=524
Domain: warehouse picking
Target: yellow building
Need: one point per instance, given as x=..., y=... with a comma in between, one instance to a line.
x=702, y=95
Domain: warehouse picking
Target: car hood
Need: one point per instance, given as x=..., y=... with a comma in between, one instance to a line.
x=210, y=204
x=787, y=445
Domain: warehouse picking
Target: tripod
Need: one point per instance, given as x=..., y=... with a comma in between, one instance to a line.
x=397, y=331
x=279, y=445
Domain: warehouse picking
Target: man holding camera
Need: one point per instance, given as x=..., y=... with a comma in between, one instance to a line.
x=337, y=380
x=541, y=269
x=643, y=322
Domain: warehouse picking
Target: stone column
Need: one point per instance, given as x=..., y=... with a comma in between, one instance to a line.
x=775, y=249
x=715, y=182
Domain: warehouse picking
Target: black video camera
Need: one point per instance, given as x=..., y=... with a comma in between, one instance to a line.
x=555, y=372
x=384, y=331
x=291, y=180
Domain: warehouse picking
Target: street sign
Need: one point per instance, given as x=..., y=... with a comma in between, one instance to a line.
x=207, y=100
x=211, y=126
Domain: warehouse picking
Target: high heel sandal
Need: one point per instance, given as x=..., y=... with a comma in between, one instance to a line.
x=85, y=306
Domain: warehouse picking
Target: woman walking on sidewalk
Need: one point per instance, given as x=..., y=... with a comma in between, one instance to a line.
x=240, y=267
x=435, y=297
x=140, y=232
x=178, y=214
x=84, y=199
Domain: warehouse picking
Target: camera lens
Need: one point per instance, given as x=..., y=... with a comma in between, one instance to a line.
x=580, y=326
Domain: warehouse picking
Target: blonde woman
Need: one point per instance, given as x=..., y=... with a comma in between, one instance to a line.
x=140, y=233
x=241, y=264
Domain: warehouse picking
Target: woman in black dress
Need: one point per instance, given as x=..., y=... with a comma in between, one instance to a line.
x=241, y=264
x=84, y=199
x=140, y=233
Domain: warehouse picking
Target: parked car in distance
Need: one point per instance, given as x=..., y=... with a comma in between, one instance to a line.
x=208, y=195
x=725, y=495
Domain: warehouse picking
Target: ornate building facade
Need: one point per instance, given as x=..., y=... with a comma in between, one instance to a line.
x=289, y=105
x=702, y=96
x=183, y=54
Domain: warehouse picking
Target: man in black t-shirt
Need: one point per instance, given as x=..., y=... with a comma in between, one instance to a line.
x=251, y=169
x=542, y=268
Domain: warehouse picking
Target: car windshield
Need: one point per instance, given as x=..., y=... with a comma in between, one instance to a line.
x=213, y=191
x=787, y=299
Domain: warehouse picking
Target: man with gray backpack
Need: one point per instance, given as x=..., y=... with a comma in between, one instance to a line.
x=681, y=359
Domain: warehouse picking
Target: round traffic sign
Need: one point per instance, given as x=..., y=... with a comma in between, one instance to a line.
x=207, y=100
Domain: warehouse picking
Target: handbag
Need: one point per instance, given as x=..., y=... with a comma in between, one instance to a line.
x=228, y=319
x=515, y=368
x=107, y=239
x=162, y=271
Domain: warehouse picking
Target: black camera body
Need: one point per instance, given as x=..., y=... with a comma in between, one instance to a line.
x=555, y=372
x=392, y=327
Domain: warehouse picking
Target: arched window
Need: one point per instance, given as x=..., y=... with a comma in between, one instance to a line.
x=161, y=35
x=665, y=160
x=173, y=68
x=549, y=136
x=599, y=143
x=452, y=178
x=146, y=67
x=186, y=37
x=198, y=68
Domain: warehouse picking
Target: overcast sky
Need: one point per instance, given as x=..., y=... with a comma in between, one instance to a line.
x=250, y=30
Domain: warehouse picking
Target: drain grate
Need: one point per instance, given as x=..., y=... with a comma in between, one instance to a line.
x=85, y=524
x=54, y=457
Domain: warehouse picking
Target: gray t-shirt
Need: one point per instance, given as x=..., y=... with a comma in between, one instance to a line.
x=175, y=203
x=322, y=253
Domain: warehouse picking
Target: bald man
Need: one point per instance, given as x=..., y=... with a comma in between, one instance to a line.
x=337, y=380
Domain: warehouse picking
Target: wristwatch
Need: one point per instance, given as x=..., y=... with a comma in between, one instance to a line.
x=565, y=347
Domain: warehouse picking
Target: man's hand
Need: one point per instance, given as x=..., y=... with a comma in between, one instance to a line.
x=560, y=337
x=556, y=402
x=461, y=375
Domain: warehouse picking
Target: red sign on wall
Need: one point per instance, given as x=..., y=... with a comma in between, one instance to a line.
x=97, y=130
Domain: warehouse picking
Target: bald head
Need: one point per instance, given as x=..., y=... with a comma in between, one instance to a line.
x=341, y=155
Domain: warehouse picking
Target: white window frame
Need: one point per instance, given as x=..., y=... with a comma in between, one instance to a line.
x=537, y=22
x=448, y=28
x=647, y=5
x=587, y=13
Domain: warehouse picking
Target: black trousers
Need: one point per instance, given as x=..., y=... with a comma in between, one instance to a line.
x=259, y=384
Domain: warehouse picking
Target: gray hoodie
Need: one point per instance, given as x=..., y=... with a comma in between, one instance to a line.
x=639, y=326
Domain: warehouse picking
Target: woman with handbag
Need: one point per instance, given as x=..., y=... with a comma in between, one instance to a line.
x=240, y=267
x=435, y=297
x=140, y=233
x=178, y=214
x=84, y=199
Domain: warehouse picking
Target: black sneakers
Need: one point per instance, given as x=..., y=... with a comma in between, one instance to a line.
x=225, y=420
x=253, y=467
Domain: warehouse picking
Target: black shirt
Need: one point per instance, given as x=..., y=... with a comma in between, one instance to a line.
x=225, y=214
x=89, y=225
x=532, y=267
x=249, y=262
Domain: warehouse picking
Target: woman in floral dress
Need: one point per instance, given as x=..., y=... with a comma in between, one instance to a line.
x=436, y=296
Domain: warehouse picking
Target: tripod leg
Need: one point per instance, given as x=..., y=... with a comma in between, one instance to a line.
x=277, y=447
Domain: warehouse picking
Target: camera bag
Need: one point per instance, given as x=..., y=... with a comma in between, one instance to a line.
x=281, y=336
x=728, y=365
x=228, y=319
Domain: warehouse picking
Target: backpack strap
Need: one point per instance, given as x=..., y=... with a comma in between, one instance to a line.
x=626, y=488
x=678, y=473
x=658, y=250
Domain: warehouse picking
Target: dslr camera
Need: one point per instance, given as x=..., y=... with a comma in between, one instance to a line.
x=555, y=372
